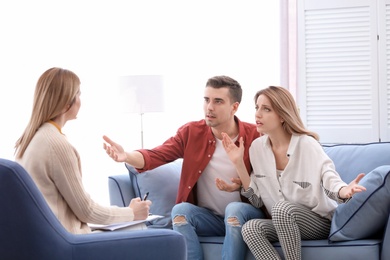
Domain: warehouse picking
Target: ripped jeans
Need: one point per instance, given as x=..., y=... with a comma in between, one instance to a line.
x=193, y=221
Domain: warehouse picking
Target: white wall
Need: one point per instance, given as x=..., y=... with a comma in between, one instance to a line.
x=185, y=41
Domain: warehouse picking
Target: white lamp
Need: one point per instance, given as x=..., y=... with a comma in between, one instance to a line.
x=142, y=94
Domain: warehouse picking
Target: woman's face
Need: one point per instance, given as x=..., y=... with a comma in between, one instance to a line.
x=75, y=107
x=267, y=120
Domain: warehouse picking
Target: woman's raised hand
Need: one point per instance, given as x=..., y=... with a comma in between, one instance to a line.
x=353, y=187
x=235, y=153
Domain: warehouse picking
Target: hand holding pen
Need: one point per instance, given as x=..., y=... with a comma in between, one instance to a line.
x=146, y=196
x=140, y=207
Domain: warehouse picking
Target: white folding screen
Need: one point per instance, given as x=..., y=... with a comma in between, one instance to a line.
x=341, y=94
x=384, y=67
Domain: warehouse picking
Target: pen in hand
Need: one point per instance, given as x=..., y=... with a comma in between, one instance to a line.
x=146, y=195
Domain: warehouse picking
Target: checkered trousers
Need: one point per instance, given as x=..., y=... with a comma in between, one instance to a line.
x=290, y=224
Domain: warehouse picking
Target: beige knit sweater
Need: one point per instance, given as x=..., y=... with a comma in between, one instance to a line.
x=54, y=164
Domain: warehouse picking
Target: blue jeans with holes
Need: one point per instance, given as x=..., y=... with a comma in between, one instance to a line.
x=203, y=222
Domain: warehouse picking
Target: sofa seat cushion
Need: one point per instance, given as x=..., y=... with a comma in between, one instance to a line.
x=162, y=184
x=365, y=215
x=311, y=249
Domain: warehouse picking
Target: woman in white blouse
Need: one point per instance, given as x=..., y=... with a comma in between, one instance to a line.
x=292, y=177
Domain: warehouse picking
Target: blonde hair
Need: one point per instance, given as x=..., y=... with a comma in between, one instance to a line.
x=284, y=104
x=55, y=90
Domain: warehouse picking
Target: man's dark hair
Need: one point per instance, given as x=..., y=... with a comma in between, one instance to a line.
x=227, y=82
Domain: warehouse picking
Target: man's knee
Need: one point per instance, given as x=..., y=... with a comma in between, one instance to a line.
x=233, y=221
x=179, y=220
x=182, y=209
x=237, y=210
x=233, y=213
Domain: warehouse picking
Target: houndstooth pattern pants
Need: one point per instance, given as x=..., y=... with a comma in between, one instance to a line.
x=290, y=224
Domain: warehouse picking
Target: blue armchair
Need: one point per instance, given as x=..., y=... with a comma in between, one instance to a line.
x=30, y=230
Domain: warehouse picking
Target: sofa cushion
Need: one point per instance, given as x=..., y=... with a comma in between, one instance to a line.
x=352, y=159
x=385, y=254
x=162, y=184
x=365, y=215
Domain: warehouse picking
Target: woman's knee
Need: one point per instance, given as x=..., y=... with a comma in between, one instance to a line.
x=281, y=208
x=259, y=229
x=245, y=230
x=284, y=212
x=251, y=228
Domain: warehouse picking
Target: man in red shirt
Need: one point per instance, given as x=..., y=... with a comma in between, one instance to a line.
x=206, y=204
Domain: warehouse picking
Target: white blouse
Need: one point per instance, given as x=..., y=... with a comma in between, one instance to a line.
x=309, y=178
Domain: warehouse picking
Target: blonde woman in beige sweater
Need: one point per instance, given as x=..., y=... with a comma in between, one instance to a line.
x=54, y=164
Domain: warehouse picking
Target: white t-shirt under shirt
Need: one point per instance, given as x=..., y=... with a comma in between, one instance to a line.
x=220, y=166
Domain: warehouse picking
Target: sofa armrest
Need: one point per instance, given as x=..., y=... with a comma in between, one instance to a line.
x=30, y=230
x=136, y=244
x=120, y=190
x=385, y=254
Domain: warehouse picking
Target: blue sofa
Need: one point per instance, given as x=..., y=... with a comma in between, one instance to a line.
x=30, y=230
x=360, y=228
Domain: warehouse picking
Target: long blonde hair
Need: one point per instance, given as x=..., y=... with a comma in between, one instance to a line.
x=56, y=89
x=284, y=104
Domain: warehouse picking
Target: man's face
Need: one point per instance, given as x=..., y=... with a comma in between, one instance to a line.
x=217, y=106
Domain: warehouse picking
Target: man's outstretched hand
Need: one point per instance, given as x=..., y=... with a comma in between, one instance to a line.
x=114, y=150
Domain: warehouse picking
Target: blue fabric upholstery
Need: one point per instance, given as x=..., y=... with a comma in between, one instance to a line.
x=119, y=186
x=162, y=184
x=350, y=160
x=386, y=241
x=29, y=229
x=365, y=215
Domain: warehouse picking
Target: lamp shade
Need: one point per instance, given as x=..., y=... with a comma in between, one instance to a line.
x=142, y=93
